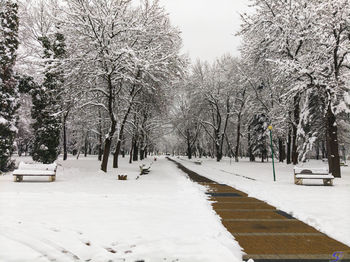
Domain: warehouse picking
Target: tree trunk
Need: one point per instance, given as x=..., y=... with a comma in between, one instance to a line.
x=213, y=149
x=90, y=150
x=123, y=149
x=324, y=151
x=294, y=146
x=238, y=138
x=120, y=138
x=218, y=148
x=131, y=151
x=86, y=146
x=281, y=150
x=295, y=130
x=100, y=152
x=107, y=149
x=332, y=144
x=142, y=149
x=218, y=153
x=135, y=151
x=117, y=149
x=116, y=154
x=100, y=138
x=289, y=145
x=108, y=140
x=142, y=153
x=343, y=150
x=106, y=152
x=317, y=149
x=189, y=149
x=250, y=152
x=65, y=152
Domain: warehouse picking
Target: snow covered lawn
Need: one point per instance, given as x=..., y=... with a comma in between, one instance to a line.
x=87, y=215
x=323, y=207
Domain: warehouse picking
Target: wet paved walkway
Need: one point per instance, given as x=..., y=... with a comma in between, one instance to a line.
x=264, y=232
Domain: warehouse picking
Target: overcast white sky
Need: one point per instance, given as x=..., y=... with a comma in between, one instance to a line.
x=208, y=26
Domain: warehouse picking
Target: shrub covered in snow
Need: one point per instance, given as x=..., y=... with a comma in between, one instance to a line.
x=8, y=84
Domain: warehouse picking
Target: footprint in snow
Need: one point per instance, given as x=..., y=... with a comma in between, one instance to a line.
x=111, y=250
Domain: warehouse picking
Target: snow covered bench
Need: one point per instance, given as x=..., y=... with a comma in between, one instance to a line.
x=198, y=162
x=35, y=170
x=145, y=169
x=312, y=173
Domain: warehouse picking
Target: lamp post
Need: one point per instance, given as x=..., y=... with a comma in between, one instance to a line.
x=273, y=161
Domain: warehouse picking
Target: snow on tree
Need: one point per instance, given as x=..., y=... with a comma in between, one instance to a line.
x=215, y=96
x=122, y=49
x=186, y=117
x=311, y=127
x=308, y=41
x=215, y=93
x=8, y=84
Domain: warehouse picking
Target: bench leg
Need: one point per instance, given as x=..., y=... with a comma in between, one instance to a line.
x=18, y=178
x=328, y=182
x=298, y=181
x=52, y=178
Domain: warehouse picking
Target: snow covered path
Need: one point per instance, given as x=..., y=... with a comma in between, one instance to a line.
x=87, y=215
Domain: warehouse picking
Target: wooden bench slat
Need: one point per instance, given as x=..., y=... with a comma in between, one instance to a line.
x=317, y=176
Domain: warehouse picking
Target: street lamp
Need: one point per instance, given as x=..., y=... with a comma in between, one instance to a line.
x=273, y=161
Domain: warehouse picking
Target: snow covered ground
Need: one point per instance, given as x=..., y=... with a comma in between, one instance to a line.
x=87, y=215
x=325, y=208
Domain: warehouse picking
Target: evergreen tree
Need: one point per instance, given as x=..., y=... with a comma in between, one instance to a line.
x=258, y=136
x=8, y=84
x=46, y=103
